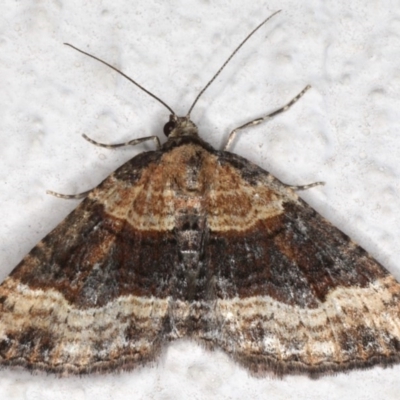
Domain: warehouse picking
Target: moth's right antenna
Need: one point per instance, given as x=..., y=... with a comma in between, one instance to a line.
x=229, y=59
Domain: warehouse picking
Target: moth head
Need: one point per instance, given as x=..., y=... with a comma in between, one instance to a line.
x=180, y=126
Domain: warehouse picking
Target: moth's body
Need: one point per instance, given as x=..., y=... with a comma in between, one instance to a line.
x=188, y=241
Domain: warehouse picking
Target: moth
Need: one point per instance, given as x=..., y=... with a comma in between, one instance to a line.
x=187, y=241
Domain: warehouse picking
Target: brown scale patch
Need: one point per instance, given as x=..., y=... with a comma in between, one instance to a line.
x=276, y=343
x=54, y=344
x=286, y=339
x=95, y=256
x=116, y=260
x=177, y=181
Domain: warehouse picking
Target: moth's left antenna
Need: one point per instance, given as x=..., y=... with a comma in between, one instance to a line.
x=125, y=76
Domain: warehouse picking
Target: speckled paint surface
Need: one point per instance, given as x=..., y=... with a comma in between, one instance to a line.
x=344, y=132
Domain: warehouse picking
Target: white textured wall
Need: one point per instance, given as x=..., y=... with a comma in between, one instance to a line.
x=345, y=131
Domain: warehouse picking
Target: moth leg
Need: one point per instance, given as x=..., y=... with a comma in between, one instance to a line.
x=133, y=142
x=69, y=196
x=262, y=119
x=107, y=146
x=305, y=187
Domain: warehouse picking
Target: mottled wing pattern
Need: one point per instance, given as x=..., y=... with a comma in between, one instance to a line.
x=295, y=294
x=193, y=242
x=93, y=294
